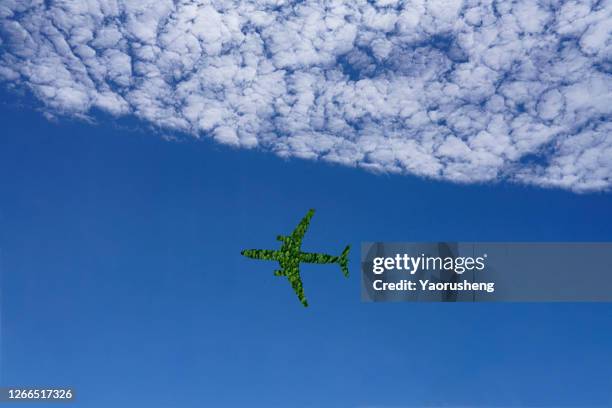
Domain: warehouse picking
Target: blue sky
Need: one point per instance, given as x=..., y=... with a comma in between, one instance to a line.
x=121, y=277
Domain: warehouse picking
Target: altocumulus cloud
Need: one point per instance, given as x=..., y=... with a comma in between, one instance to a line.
x=466, y=91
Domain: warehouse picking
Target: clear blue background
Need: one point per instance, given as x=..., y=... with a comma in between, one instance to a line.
x=121, y=277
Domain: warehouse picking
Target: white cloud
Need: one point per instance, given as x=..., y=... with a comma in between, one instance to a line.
x=467, y=91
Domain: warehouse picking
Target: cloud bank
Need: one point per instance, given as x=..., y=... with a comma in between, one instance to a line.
x=467, y=91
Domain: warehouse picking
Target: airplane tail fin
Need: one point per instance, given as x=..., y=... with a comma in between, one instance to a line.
x=343, y=261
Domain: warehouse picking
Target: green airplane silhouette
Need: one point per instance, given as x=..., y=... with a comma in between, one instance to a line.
x=290, y=256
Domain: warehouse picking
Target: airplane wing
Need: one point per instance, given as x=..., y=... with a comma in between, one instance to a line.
x=300, y=230
x=296, y=283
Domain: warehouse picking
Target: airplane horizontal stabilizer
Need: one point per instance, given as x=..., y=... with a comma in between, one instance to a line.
x=343, y=261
